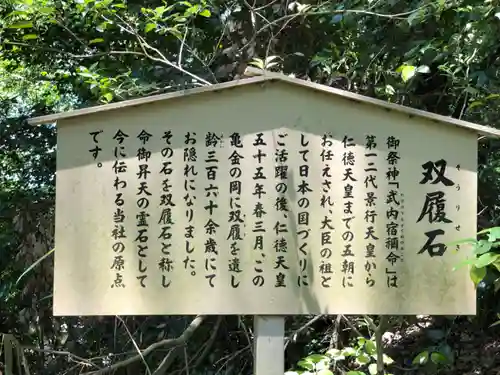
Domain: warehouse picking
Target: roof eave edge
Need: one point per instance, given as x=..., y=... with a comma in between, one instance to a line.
x=53, y=118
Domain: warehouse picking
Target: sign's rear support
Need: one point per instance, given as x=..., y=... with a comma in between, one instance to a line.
x=269, y=345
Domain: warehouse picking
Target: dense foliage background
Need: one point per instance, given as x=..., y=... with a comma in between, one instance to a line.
x=442, y=56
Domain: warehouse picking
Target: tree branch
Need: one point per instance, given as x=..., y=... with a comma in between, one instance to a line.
x=352, y=326
x=71, y=356
x=145, y=46
x=175, y=352
x=60, y=23
x=183, y=42
x=346, y=11
x=370, y=323
x=209, y=343
x=293, y=337
x=165, y=344
x=334, y=339
x=167, y=361
x=288, y=17
x=378, y=332
x=73, y=56
x=135, y=344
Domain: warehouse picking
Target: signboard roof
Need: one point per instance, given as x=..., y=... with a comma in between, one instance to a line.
x=269, y=77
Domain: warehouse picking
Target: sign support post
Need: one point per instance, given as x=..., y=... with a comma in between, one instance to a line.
x=269, y=345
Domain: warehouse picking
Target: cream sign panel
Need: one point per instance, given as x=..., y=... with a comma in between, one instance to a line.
x=293, y=217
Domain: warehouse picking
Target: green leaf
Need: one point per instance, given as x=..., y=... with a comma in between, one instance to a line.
x=363, y=359
x=316, y=358
x=372, y=369
x=17, y=13
x=361, y=341
x=477, y=274
x=448, y=352
x=102, y=27
x=387, y=360
x=407, y=72
x=495, y=324
x=421, y=358
x=108, y=96
x=476, y=103
x=347, y=352
x=482, y=246
x=192, y=10
x=149, y=27
x=324, y=372
x=47, y=10
x=40, y=260
x=423, y=69
x=96, y=40
x=305, y=365
x=302, y=8
x=160, y=10
x=484, y=231
x=355, y=373
x=492, y=96
x=174, y=31
x=259, y=63
x=494, y=234
x=21, y=25
x=465, y=262
x=389, y=90
x=486, y=259
x=30, y=36
x=438, y=358
x=333, y=352
x=269, y=59
x=370, y=347
x=86, y=74
x=323, y=365
x=205, y=13
x=336, y=354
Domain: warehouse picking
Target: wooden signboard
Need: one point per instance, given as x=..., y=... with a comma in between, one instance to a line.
x=262, y=197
